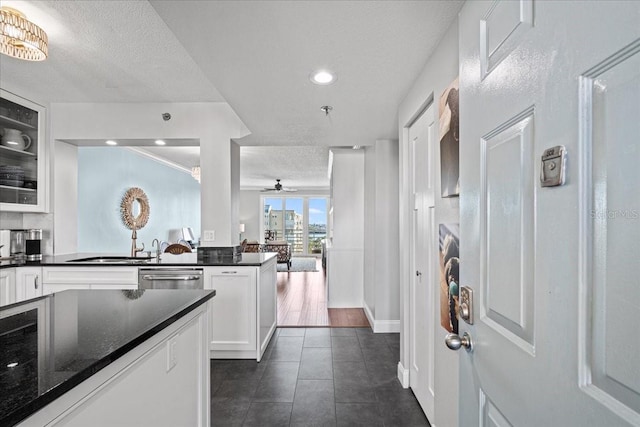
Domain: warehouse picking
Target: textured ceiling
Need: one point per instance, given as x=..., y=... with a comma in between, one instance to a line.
x=298, y=167
x=106, y=51
x=257, y=56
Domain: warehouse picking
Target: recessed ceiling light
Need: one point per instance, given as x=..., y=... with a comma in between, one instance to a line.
x=322, y=77
x=111, y=142
x=160, y=142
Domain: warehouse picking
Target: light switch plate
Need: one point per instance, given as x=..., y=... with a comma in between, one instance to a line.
x=209, y=235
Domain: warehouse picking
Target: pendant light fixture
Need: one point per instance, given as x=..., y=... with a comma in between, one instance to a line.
x=21, y=38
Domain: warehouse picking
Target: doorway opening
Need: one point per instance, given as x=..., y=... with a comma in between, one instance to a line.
x=302, y=302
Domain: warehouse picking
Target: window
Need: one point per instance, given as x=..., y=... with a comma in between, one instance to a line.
x=317, y=228
x=301, y=221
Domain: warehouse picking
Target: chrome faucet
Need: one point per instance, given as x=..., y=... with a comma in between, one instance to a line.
x=156, y=243
x=134, y=249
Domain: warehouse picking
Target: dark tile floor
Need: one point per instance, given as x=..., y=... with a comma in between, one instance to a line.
x=316, y=377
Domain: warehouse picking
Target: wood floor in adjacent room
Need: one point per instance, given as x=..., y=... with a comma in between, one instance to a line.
x=302, y=302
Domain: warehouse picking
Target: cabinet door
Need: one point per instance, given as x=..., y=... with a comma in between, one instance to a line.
x=233, y=309
x=25, y=189
x=7, y=286
x=28, y=283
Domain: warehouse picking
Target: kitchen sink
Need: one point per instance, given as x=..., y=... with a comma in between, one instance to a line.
x=112, y=260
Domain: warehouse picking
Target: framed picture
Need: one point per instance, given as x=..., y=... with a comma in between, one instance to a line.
x=449, y=124
x=449, y=276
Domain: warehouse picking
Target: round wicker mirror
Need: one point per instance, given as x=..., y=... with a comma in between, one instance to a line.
x=134, y=209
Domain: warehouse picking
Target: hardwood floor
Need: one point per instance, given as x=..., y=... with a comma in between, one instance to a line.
x=302, y=301
x=347, y=317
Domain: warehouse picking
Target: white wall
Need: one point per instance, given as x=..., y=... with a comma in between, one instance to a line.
x=251, y=214
x=65, y=197
x=386, y=244
x=235, y=192
x=214, y=124
x=441, y=69
x=345, y=260
x=381, y=247
x=369, y=232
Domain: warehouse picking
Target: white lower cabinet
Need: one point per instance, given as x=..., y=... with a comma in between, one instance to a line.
x=28, y=283
x=7, y=286
x=19, y=284
x=243, y=312
x=56, y=279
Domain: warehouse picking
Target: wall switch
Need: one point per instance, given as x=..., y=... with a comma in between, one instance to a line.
x=209, y=235
x=172, y=353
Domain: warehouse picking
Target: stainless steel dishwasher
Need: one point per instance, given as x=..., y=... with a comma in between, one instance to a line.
x=170, y=278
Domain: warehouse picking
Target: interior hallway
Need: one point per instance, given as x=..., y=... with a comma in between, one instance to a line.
x=302, y=301
x=316, y=376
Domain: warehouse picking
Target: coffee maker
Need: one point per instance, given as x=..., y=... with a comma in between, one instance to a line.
x=26, y=244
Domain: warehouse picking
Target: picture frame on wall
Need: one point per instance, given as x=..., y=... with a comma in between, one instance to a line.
x=449, y=261
x=449, y=125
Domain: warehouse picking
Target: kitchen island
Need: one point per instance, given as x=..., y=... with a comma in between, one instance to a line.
x=106, y=357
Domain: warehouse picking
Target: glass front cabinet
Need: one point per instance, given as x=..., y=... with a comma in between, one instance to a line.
x=22, y=155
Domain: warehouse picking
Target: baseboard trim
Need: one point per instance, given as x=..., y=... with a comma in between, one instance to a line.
x=403, y=375
x=380, y=326
x=367, y=312
x=387, y=326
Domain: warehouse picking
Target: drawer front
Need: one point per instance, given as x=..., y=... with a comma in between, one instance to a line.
x=90, y=275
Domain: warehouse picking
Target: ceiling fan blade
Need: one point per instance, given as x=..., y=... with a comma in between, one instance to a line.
x=289, y=190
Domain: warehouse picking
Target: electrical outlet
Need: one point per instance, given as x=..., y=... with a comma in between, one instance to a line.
x=209, y=235
x=172, y=353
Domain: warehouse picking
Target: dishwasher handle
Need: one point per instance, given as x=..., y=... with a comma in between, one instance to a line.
x=165, y=277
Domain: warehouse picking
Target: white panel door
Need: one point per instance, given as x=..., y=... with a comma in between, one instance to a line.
x=28, y=283
x=554, y=270
x=424, y=284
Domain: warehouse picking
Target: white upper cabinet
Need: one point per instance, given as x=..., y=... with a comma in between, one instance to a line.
x=23, y=180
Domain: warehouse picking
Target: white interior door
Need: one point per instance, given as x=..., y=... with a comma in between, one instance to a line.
x=424, y=285
x=554, y=270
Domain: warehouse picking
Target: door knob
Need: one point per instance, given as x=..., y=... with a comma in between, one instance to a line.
x=454, y=341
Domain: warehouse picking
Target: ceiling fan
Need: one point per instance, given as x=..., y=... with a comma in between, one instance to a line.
x=278, y=188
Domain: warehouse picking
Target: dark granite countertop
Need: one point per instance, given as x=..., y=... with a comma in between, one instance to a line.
x=50, y=344
x=246, y=259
